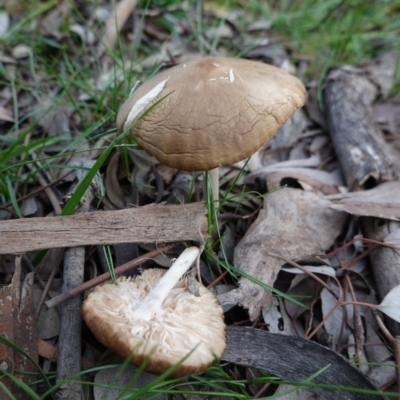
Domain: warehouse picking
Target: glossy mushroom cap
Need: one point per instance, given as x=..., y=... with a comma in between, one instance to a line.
x=182, y=324
x=218, y=111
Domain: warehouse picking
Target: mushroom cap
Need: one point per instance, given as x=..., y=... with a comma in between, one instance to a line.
x=184, y=323
x=217, y=111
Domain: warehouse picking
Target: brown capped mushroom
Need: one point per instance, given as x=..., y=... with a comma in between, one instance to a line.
x=153, y=318
x=218, y=111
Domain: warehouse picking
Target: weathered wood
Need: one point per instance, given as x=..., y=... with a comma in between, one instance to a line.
x=385, y=261
x=361, y=150
x=348, y=94
x=295, y=359
x=159, y=223
x=70, y=337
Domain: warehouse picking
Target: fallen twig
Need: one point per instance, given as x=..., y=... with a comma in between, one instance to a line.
x=102, y=278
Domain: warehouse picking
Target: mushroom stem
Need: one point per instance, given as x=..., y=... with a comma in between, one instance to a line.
x=214, y=179
x=148, y=307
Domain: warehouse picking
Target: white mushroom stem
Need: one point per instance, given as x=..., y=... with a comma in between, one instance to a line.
x=148, y=307
x=214, y=179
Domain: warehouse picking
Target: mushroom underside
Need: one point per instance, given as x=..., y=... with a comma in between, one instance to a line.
x=184, y=326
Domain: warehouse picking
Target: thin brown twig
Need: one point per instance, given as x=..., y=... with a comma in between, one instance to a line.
x=103, y=277
x=232, y=216
x=358, y=327
x=40, y=189
x=262, y=390
x=215, y=281
x=306, y=271
x=46, y=291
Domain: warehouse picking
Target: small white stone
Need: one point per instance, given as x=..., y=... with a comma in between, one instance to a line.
x=21, y=51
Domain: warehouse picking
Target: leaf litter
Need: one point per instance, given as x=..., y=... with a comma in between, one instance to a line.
x=310, y=217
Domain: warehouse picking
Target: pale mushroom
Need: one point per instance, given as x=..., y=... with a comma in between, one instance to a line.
x=154, y=319
x=214, y=111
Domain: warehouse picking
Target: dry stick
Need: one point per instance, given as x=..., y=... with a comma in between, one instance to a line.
x=216, y=280
x=52, y=194
x=102, y=278
x=363, y=154
x=394, y=341
x=46, y=291
x=70, y=338
x=41, y=189
x=385, y=261
x=342, y=303
x=151, y=224
x=358, y=326
x=349, y=93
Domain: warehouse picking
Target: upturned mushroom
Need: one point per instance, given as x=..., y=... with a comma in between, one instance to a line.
x=214, y=111
x=155, y=320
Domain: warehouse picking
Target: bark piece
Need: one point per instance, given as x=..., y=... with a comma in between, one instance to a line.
x=362, y=152
x=295, y=359
x=385, y=261
x=70, y=338
x=348, y=94
x=120, y=378
x=293, y=224
x=17, y=324
x=160, y=223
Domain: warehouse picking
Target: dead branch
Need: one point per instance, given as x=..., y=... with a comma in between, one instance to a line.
x=70, y=338
x=104, y=277
x=348, y=94
x=152, y=224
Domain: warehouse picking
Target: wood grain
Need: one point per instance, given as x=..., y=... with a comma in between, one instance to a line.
x=349, y=93
x=151, y=224
x=295, y=359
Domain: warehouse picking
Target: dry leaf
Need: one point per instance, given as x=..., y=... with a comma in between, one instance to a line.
x=383, y=201
x=383, y=374
x=336, y=324
x=114, y=190
x=48, y=323
x=310, y=178
x=296, y=393
x=387, y=115
x=56, y=122
x=5, y=115
x=114, y=24
x=324, y=270
x=292, y=224
x=377, y=352
x=278, y=320
x=390, y=305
